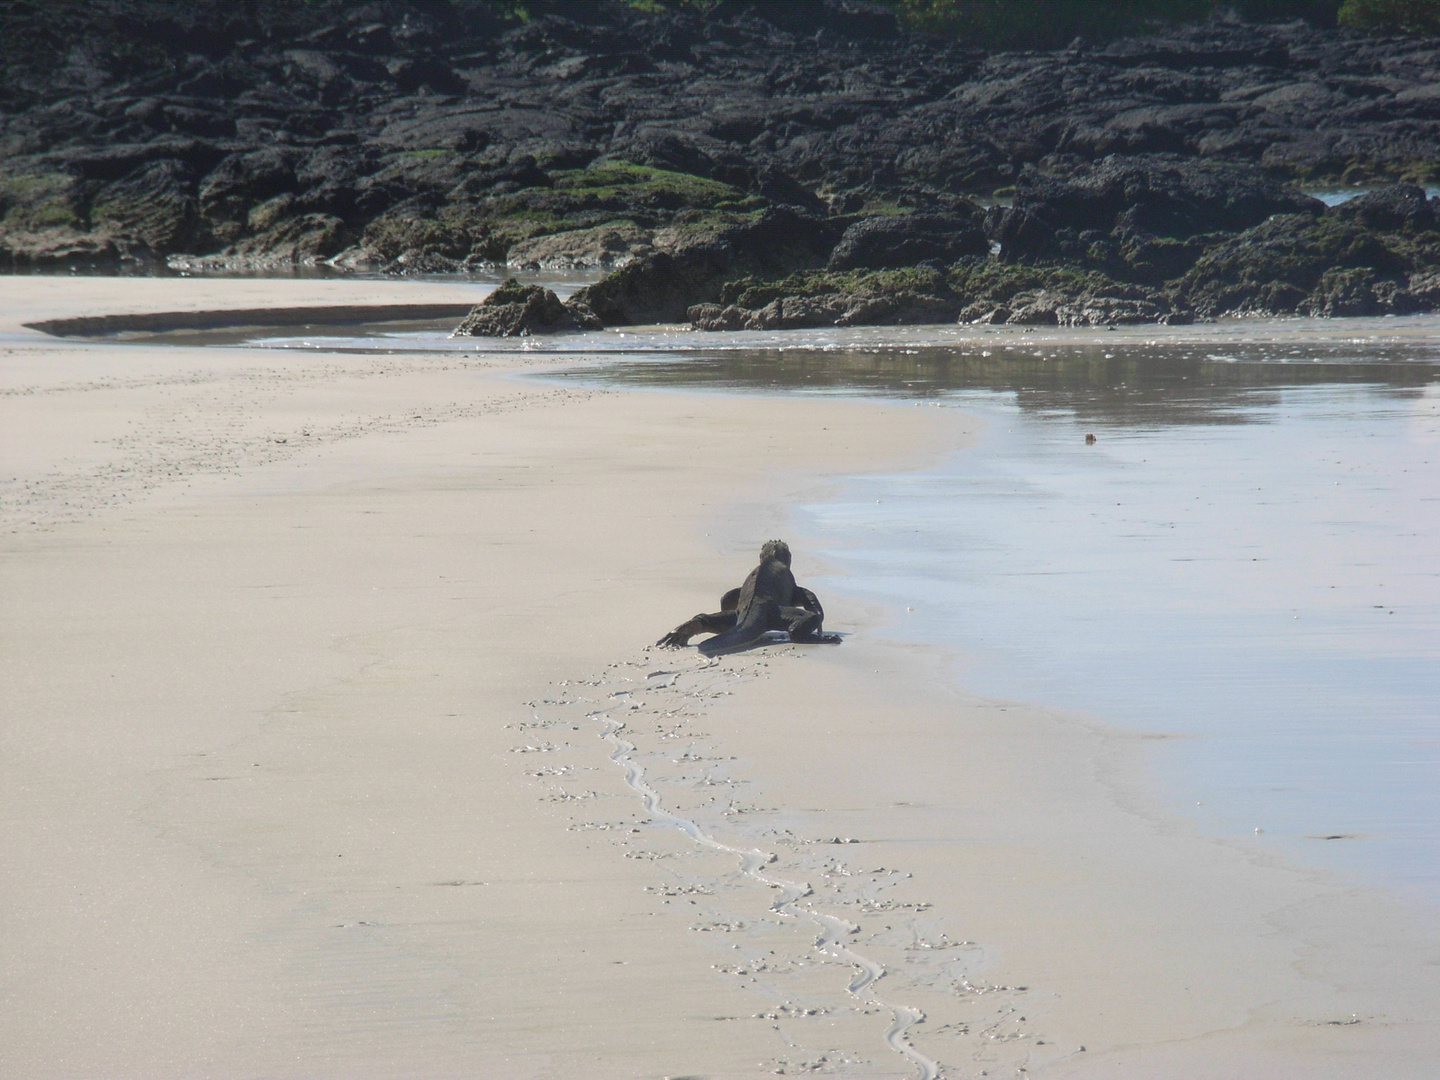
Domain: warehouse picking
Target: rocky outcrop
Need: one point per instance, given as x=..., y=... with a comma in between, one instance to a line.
x=1160, y=194
x=722, y=160
x=976, y=289
x=1145, y=219
x=515, y=310
x=306, y=240
x=442, y=137
x=692, y=263
x=155, y=206
x=1375, y=255
x=607, y=246
x=879, y=243
x=1045, y=308
x=1331, y=264
x=827, y=309
x=1397, y=207
x=824, y=299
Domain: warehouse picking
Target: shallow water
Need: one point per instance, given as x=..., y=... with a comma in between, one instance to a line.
x=1246, y=557
x=1333, y=196
x=846, y=354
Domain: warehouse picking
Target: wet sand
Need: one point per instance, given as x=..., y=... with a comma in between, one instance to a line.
x=314, y=669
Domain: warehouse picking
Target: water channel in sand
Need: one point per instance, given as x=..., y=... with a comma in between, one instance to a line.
x=1245, y=556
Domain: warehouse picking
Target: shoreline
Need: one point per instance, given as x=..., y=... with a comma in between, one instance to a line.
x=1035, y=897
x=1009, y=556
x=71, y=307
x=240, y=620
x=269, y=640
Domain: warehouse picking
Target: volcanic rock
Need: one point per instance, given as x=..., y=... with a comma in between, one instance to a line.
x=903, y=240
x=515, y=310
x=691, y=264
x=692, y=148
x=1398, y=206
x=1061, y=213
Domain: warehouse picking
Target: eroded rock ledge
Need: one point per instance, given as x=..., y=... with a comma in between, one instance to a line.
x=1126, y=240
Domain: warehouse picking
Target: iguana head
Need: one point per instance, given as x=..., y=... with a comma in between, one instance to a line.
x=775, y=549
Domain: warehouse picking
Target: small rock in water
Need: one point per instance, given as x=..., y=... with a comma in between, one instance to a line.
x=515, y=310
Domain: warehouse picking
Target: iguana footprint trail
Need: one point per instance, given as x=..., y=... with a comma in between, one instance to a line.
x=697, y=803
x=833, y=931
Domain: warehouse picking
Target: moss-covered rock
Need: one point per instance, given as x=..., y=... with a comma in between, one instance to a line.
x=1158, y=195
x=754, y=292
x=51, y=218
x=615, y=243
x=619, y=182
x=976, y=289
x=303, y=240
x=980, y=281
x=30, y=202
x=696, y=257
x=153, y=207
x=1331, y=265
x=603, y=215
x=42, y=222
x=830, y=298
x=415, y=231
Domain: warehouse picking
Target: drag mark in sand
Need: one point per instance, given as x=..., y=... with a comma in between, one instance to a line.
x=833, y=931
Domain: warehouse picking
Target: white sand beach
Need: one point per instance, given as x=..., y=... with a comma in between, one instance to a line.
x=306, y=663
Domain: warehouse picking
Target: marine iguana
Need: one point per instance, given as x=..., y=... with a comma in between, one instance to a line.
x=769, y=600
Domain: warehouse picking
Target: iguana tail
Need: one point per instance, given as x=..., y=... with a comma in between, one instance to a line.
x=760, y=618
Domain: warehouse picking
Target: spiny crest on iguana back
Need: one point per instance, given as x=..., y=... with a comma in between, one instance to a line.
x=775, y=549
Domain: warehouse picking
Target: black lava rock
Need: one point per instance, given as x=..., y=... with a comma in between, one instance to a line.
x=693, y=146
x=904, y=240
x=1161, y=195
x=1399, y=206
x=516, y=310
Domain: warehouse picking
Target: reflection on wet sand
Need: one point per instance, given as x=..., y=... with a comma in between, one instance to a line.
x=1246, y=558
x=1128, y=383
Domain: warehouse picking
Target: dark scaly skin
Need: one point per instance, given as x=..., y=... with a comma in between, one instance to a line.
x=769, y=600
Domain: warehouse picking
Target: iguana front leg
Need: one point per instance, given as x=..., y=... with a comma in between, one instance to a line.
x=715, y=623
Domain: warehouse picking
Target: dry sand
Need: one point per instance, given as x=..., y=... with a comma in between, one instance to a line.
x=307, y=663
